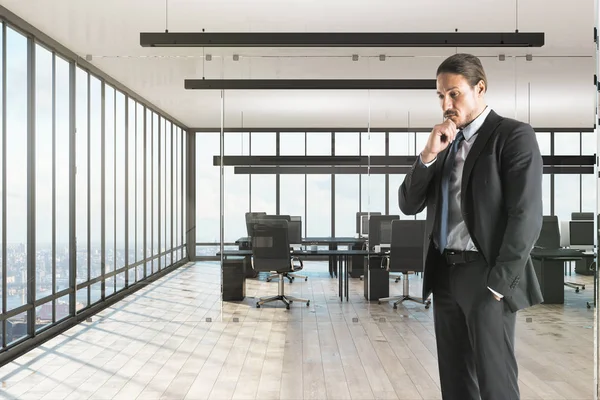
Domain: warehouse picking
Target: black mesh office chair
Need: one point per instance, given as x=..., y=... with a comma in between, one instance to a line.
x=251, y=218
x=271, y=252
x=406, y=255
x=294, y=233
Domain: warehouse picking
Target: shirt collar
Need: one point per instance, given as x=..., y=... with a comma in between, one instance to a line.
x=474, y=126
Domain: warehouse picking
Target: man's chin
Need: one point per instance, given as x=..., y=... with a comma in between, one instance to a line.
x=455, y=119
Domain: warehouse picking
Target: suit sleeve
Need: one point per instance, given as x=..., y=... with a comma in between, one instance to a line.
x=412, y=194
x=521, y=169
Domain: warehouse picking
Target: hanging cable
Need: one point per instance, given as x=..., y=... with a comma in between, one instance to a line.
x=166, y=16
x=517, y=16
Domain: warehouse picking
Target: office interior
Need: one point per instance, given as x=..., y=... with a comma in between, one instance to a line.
x=130, y=199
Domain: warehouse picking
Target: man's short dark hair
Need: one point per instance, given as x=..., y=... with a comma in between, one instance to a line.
x=466, y=65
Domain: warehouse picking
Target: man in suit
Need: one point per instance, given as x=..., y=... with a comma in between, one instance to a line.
x=480, y=177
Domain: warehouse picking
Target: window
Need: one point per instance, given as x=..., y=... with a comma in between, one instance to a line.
x=263, y=197
x=109, y=187
x=95, y=173
x=208, y=190
x=16, y=180
x=81, y=194
x=544, y=142
x=62, y=179
x=292, y=187
x=566, y=143
x=402, y=143
x=131, y=236
x=236, y=191
x=373, y=185
x=154, y=194
x=347, y=194
x=318, y=188
x=140, y=162
x=168, y=192
x=44, y=119
x=120, y=171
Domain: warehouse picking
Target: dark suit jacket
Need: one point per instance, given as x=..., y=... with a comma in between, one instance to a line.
x=501, y=203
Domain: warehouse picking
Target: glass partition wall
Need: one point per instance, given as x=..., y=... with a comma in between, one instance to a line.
x=325, y=177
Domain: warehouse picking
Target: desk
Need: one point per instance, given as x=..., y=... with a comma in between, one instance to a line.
x=342, y=257
x=549, y=268
x=356, y=243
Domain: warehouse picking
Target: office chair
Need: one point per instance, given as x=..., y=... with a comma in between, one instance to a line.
x=251, y=218
x=406, y=255
x=271, y=252
x=294, y=237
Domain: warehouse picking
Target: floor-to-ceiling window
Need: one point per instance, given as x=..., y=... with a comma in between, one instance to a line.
x=74, y=193
x=318, y=188
x=566, y=144
x=400, y=144
x=16, y=140
x=373, y=190
x=263, y=193
x=292, y=187
x=347, y=193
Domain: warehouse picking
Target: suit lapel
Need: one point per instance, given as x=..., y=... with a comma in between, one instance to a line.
x=483, y=135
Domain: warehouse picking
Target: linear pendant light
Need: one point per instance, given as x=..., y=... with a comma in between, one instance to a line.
x=342, y=39
x=310, y=84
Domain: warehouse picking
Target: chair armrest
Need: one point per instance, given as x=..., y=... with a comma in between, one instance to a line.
x=297, y=267
x=385, y=261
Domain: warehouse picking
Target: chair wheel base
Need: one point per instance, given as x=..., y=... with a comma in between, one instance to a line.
x=286, y=299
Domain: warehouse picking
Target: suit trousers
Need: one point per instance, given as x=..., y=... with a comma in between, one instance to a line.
x=475, y=335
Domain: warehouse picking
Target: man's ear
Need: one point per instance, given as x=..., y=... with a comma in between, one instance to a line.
x=481, y=87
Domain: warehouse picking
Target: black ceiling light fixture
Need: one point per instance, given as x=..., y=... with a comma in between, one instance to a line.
x=310, y=84
x=342, y=39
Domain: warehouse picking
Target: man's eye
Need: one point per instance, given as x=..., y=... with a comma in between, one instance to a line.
x=453, y=94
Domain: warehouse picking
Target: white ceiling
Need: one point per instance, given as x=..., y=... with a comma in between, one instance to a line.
x=553, y=90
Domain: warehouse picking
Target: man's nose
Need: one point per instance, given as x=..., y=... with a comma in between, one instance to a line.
x=447, y=104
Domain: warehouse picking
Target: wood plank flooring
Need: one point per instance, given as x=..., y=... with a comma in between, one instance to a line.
x=175, y=340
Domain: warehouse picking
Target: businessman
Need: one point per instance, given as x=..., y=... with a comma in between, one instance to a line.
x=480, y=177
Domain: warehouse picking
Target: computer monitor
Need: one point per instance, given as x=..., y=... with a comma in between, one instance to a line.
x=364, y=225
x=359, y=220
x=581, y=234
x=295, y=232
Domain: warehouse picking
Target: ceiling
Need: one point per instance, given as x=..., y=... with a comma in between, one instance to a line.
x=553, y=90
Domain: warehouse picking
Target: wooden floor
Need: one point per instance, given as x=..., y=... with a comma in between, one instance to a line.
x=174, y=340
